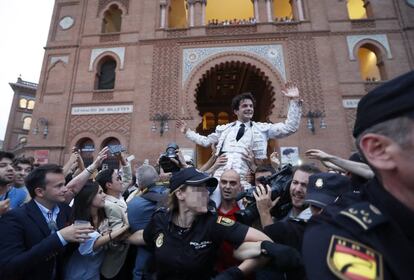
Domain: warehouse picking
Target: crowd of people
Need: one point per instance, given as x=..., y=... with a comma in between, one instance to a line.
x=216, y=22
x=284, y=19
x=242, y=215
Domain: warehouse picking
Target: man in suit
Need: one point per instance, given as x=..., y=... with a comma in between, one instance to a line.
x=244, y=140
x=34, y=236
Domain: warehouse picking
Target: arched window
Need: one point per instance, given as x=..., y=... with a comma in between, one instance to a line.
x=106, y=73
x=30, y=104
x=229, y=10
x=23, y=103
x=356, y=9
x=370, y=63
x=27, y=121
x=112, y=20
x=177, y=14
x=86, y=148
x=282, y=10
x=223, y=118
x=209, y=121
x=111, y=161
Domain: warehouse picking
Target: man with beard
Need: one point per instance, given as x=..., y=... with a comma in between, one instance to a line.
x=10, y=197
x=245, y=140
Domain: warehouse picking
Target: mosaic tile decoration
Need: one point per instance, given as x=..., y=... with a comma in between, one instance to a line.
x=273, y=54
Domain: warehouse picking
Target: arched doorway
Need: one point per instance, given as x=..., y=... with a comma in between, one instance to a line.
x=216, y=89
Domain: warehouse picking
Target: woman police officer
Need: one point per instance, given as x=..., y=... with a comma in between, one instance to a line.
x=187, y=237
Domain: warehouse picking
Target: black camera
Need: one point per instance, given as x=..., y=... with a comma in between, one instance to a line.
x=279, y=186
x=165, y=160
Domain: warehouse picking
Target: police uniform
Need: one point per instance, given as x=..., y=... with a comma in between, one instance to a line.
x=182, y=253
x=369, y=235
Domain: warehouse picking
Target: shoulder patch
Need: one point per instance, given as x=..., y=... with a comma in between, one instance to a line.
x=364, y=214
x=225, y=221
x=348, y=259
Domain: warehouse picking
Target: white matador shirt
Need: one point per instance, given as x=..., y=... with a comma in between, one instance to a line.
x=255, y=138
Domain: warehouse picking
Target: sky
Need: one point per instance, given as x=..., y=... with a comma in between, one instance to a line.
x=23, y=37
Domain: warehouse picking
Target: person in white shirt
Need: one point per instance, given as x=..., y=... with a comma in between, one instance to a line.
x=237, y=139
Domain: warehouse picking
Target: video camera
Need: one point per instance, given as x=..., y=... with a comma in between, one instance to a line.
x=165, y=160
x=279, y=186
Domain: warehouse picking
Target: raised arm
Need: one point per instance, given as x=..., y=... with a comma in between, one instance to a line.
x=291, y=124
x=193, y=136
x=77, y=183
x=357, y=168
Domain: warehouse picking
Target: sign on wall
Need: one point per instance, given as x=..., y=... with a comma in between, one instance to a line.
x=98, y=110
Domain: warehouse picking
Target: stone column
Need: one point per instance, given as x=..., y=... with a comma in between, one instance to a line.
x=163, y=13
x=203, y=12
x=256, y=10
x=262, y=10
x=199, y=11
x=190, y=13
x=269, y=10
x=299, y=7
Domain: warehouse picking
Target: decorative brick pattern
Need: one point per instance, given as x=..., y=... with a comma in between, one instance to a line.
x=231, y=30
x=103, y=3
x=103, y=96
x=371, y=85
x=350, y=121
x=100, y=124
x=164, y=85
x=304, y=71
x=286, y=27
x=363, y=23
x=109, y=38
x=273, y=54
x=176, y=33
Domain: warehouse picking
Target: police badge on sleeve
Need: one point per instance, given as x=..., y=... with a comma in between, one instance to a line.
x=349, y=259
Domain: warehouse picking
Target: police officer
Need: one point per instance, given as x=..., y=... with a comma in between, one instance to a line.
x=186, y=238
x=371, y=235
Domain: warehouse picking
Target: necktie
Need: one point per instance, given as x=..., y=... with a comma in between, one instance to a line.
x=51, y=223
x=240, y=133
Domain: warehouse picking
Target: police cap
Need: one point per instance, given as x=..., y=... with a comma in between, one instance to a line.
x=324, y=188
x=192, y=177
x=393, y=99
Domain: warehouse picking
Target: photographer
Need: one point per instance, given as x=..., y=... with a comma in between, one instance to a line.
x=297, y=191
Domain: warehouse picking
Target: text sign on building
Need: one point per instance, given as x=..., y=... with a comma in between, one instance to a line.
x=97, y=110
x=350, y=103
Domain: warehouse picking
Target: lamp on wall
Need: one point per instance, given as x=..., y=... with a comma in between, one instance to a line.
x=312, y=115
x=42, y=122
x=163, y=120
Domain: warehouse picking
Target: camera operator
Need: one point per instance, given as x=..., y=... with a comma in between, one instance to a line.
x=323, y=189
x=297, y=192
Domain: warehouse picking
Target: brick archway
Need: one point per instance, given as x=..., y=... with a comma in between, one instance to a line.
x=258, y=71
x=187, y=106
